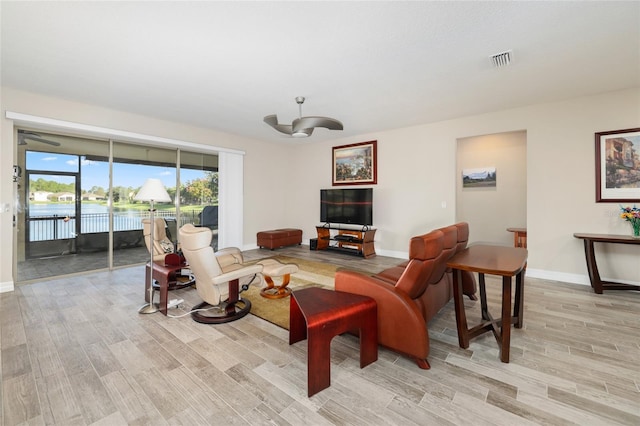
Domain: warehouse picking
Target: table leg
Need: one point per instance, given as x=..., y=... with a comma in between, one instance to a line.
x=162, y=277
x=505, y=331
x=461, y=317
x=297, y=323
x=518, y=307
x=484, y=309
x=368, y=336
x=592, y=267
x=163, y=282
x=318, y=359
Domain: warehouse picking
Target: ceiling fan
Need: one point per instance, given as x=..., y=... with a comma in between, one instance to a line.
x=302, y=127
x=23, y=135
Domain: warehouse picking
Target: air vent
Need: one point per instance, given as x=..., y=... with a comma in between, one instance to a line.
x=501, y=59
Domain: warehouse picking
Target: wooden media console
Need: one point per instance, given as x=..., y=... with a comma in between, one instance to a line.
x=350, y=241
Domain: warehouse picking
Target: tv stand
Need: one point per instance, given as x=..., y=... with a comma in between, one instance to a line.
x=350, y=241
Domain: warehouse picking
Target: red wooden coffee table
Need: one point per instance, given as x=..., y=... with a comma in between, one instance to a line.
x=319, y=315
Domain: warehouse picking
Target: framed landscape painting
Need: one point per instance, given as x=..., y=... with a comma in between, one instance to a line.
x=484, y=177
x=355, y=164
x=618, y=166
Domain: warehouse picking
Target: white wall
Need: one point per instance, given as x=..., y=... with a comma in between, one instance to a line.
x=491, y=210
x=416, y=173
x=264, y=204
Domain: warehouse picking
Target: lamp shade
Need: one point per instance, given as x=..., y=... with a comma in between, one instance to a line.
x=153, y=190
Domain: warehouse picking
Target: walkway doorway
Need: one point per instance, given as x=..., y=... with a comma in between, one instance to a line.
x=491, y=209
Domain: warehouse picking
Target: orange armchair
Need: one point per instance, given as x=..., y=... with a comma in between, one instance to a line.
x=411, y=293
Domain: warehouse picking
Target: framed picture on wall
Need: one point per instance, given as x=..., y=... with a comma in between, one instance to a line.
x=483, y=177
x=355, y=164
x=618, y=166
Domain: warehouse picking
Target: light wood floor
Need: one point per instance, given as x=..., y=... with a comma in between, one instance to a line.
x=74, y=351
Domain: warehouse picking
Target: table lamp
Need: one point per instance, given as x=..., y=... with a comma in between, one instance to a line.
x=152, y=191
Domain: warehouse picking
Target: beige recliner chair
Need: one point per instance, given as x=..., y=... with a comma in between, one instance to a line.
x=161, y=245
x=219, y=276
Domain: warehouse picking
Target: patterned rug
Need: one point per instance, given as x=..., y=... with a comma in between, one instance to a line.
x=310, y=274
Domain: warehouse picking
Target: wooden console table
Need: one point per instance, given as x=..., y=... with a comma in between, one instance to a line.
x=590, y=254
x=506, y=262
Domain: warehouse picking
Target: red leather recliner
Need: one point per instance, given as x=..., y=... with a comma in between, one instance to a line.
x=410, y=294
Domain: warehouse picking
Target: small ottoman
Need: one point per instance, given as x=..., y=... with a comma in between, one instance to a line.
x=272, y=268
x=279, y=238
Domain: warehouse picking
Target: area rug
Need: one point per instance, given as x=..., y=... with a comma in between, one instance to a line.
x=310, y=274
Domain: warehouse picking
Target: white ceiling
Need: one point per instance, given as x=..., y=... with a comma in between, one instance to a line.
x=373, y=65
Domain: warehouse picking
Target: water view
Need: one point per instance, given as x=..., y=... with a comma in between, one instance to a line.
x=52, y=221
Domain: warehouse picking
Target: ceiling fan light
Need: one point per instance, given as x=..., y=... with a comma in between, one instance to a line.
x=303, y=133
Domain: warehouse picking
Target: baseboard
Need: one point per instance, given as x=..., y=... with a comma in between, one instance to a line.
x=250, y=247
x=403, y=255
x=558, y=276
x=533, y=273
x=571, y=278
x=6, y=287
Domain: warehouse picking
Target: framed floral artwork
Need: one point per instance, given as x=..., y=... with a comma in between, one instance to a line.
x=618, y=166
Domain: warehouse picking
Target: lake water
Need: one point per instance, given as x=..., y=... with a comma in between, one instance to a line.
x=95, y=218
x=50, y=209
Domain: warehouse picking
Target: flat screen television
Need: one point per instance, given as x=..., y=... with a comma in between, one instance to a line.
x=349, y=206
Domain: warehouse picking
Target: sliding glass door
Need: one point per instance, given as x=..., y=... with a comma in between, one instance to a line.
x=78, y=210
x=59, y=208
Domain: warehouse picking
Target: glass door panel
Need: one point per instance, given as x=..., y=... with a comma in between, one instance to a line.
x=55, y=226
x=199, y=191
x=51, y=215
x=132, y=165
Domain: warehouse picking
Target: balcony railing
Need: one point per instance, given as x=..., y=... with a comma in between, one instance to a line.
x=55, y=227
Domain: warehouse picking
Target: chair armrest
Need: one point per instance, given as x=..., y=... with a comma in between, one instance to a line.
x=237, y=274
x=229, y=256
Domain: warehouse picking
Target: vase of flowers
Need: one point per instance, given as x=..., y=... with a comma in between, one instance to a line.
x=632, y=215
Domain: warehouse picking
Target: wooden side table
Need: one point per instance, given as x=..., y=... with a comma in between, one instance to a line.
x=519, y=237
x=506, y=262
x=319, y=315
x=167, y=278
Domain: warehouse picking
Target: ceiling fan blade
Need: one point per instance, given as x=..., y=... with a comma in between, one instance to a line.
x=272, y=120
x=37, y=139
x=22, y=135
x=312, y=122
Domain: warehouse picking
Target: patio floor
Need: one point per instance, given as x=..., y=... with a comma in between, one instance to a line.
x=35, y=269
